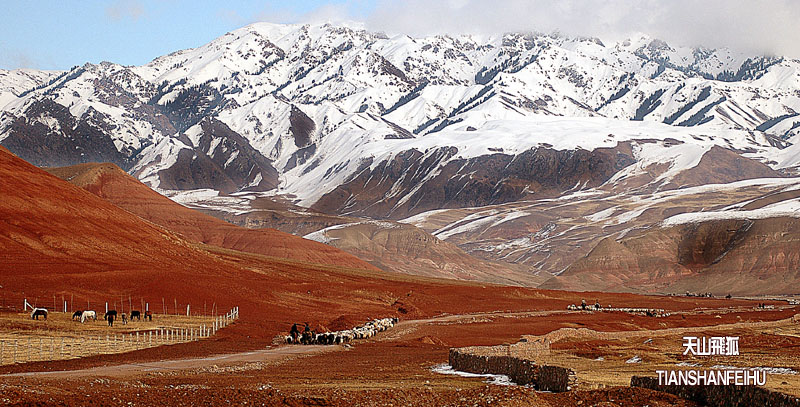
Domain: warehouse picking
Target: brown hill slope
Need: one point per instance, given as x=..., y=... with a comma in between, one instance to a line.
x=398, y=247
x=389, y=245
x=745, y=257
x=111, y=183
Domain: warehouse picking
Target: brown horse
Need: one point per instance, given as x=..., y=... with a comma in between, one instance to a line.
x=110, y=316
x=148, y=315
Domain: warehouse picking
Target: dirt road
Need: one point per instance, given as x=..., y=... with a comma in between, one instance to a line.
x=128, y=369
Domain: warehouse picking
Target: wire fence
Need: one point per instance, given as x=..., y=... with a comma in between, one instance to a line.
x=51, y=345
x=71, y=302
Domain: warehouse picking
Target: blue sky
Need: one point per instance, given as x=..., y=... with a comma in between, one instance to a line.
x=57, y=34
x=60, y=34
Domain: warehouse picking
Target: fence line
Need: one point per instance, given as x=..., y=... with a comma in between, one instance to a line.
x=16, y=301
x=12, y=351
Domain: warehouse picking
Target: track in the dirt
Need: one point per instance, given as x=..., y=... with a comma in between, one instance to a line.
x=129, y=369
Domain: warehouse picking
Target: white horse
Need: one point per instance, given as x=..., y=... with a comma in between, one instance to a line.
x=88, y=315
x=39, y=311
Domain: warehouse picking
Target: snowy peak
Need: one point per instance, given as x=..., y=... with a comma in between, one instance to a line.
x=310, y=108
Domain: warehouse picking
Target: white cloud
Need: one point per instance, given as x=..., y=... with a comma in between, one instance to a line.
x=14, y=58
x=765, y=26
x=122, y=9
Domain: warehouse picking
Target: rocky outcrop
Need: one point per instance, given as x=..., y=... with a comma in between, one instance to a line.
x=414, y=182
x=216, y=158
x=49, y=135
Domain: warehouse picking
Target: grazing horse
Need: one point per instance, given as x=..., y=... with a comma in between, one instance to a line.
x=76, y=315
x=124, y=318
x=148, y=315
x=39, y=311
x=88, y=315
x=110, y=316
x=136, y=315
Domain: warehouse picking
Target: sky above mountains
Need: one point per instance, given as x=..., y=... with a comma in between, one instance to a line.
x=58, y=34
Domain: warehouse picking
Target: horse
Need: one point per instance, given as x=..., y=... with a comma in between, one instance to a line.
x=148, y=315
x=294, y=334
x=110, y=316
x=88, y=315
x=39, y=311
x=308, y=338
x=136, y=315
x=76, y=314
x=124, y=319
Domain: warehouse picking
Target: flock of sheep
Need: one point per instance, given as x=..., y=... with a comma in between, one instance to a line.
x=650, y=312
x=365, y=331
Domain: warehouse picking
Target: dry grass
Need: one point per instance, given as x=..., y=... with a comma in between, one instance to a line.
x=602, y=362
x=59, y=337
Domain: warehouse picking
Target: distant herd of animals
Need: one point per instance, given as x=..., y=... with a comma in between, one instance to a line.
x=109, y=316
x=310, y=337
x=650, y=312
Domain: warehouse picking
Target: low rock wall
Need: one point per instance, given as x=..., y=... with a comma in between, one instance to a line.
x=721, y=396
x=520, y=371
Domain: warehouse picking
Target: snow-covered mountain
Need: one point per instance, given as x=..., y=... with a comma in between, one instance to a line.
x=306, y=110
x=358, y=123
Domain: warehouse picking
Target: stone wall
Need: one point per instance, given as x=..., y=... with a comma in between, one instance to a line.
x=721, y=396
x=520, y=371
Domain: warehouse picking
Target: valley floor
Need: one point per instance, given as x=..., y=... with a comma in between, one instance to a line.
x=395, y=367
